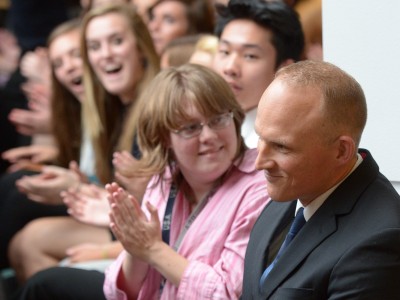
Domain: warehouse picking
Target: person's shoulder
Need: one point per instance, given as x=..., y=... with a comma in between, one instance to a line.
x=246, y=163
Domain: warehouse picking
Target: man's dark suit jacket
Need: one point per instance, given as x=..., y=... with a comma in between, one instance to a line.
x=349, y=249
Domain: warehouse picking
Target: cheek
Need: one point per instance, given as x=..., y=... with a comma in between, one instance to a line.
x=175, y=31
x=216, y=64
x=59, y=74
x=92, y=58
x=181, y=147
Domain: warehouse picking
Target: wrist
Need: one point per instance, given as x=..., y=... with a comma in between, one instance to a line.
x=105, y=253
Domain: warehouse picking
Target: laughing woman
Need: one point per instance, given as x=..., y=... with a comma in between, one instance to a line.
x=118, y=61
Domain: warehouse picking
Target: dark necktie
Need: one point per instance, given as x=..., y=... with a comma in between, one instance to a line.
x=297, y=224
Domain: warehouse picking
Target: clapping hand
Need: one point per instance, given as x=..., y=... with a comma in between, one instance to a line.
x=138, y=234
x=88, y=204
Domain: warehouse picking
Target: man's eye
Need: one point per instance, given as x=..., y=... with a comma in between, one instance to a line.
x=250, y=56
x=281, y=148
x=223, y=52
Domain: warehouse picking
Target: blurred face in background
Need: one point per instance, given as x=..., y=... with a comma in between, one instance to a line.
x=88, y=4
x=66, y=62
x=142, y=7
x=246, y=59
x=114, y=55
x=168, y=21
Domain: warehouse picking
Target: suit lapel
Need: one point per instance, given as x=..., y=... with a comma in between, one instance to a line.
x=322, y=224
x=314, y=232
x=271, y=222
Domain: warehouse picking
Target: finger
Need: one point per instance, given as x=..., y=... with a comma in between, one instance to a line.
x=15, y=154
x=153, y=214
x=23, y=129
x=115, y=228
x=121, y=211
x=36, y=198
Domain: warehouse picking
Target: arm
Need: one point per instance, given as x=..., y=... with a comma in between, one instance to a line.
x=217, y=276
x=375, y=263
x=220, y=277
x=141, y=238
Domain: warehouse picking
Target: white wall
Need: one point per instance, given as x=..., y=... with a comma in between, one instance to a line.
x=363, y=38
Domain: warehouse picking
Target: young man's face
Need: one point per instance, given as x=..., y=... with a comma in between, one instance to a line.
x=246, y=59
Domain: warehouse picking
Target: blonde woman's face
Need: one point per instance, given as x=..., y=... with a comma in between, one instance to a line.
x=66, y=62
x=113, y=54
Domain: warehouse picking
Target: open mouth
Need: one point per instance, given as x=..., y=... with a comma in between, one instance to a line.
x=77, y=81
x=113, y=69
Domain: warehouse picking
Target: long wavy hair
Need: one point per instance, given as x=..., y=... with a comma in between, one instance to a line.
x=65, y=108
x=104, y=117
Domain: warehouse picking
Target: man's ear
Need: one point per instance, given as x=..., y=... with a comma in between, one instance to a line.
x=346, y=149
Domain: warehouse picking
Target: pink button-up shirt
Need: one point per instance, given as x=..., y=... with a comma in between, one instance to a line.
x=215, y=243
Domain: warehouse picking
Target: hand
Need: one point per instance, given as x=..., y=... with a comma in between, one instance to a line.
x=9, y=52
x=36, y=119
x=125, y=166
x=87, y=251
x=38, y=94
x=74, y=167
x=47, y=186
x=33, y=153
x=33, y=61
x=138, y=234
x=88, y=205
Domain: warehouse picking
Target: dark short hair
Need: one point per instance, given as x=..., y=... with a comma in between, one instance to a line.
x=276, y=16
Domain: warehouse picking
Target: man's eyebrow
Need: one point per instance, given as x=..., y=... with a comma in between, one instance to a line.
x=246, y=45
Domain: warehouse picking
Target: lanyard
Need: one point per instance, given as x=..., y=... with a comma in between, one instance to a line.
x=166, y=226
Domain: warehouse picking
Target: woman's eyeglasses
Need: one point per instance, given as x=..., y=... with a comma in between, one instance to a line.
x=215, y=123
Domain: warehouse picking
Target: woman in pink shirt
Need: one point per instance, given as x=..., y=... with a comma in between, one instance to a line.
x=188, y=239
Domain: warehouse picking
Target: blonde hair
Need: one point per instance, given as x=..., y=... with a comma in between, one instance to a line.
x=205, y=50
x=179, y=50
x=101, y=110
x=168, y=95
x=207, y=43
x=65, y=108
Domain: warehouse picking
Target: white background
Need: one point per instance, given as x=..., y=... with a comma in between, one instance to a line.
x=363, y=38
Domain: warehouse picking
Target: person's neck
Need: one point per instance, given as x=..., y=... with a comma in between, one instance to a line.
x=249, y=108
x=341, y=175
x=199, y=190
x=127, y=98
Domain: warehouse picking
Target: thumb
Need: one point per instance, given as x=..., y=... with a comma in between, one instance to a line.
x=153, y=213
